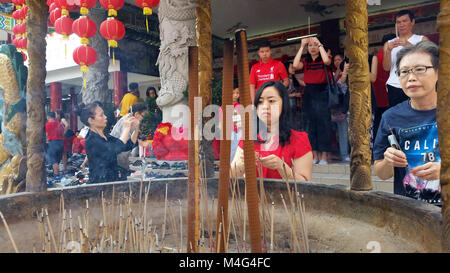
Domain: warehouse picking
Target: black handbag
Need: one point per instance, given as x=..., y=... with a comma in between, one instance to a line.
x=333, y=91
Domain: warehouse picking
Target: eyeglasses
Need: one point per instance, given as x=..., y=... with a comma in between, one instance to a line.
x=418, y=70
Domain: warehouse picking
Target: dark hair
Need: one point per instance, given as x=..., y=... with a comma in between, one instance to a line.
x=405, y=12
x=133, y=86
x=51, y=115
x=137, y=108
x=294, y=79
x=388, y=37
x=263, y=43
x=60, y=113
x=426, y=47
x=148, y=91
x=88, y=111
x=285, y=127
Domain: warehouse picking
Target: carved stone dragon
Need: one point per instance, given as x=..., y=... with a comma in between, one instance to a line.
x=13, y=79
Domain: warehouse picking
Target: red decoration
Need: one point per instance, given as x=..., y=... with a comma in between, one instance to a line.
x=112, y=30
x=63, y=26
x=23, y=43
x=166, y=147
x=16, y=15
x=112, y=6
x=16, y=42
x=147, y=5
x=85, y=5
x=18, y=3
x=55, y=15
x=62, y=4
x=49, y=2
x=85, y=28
x=85, y=56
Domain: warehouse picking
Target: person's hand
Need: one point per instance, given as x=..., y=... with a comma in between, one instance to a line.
x=128, y=120
x=428, y=171
x=393, y=44
x=315, y=40
x=346, y=67
x=135, y=124
x=272, y=162
x=395, y=157
x=305, y=42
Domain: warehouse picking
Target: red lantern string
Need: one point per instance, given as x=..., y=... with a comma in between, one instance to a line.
x=85, y=28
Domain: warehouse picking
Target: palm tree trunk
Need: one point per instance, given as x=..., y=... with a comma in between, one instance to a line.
x=36, y=31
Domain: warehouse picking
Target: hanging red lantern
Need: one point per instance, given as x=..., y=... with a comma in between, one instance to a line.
x=55, y=15
x=63, y=26
x=62, y=4
x=52, y=7
x=16, y=30
x=85, y=5
x=16, y=15
x=84, y=56
x=23, y=43
x=112, y=30
x=147, y=5
x=49, y=2
x=18, y=3
x=85, y=28
x=16, y=42
x=112, y=6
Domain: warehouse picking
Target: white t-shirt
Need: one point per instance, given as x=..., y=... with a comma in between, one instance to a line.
x=393, y=78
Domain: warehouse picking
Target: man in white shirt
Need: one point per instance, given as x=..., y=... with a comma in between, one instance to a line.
x=404, y=23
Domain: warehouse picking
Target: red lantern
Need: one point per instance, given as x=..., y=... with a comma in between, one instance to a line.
x=16, y=15
x=85, y=5
x=55, y=15
x=52, y=7
x=18, y=3
x=16, y=42
x=85, y=28
x=63, y=26
x=147, y=5
x=49, y=2
x=16, y=30
x=23, y=43
x=85, y=56
x=112, y=6
x=112, y=30
x=62, y=4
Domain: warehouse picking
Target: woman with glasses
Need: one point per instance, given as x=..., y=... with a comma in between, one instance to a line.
x=407, y=139
x=137, y=111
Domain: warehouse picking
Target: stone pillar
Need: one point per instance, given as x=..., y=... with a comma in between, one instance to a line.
x=55, y=96
x=120, y=86
x=36, y=32
x=73, y=115
x=442, y=117
x=359, y=84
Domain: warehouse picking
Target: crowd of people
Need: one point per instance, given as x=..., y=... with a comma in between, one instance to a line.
x=296, y=126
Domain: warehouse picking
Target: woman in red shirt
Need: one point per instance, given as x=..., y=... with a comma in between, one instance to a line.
x=317, y=116
x=276, y=138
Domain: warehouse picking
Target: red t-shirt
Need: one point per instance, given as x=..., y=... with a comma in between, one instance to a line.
x=297, y=147
x=54, y=130
x=379, y=86
x=314, y=72
x=77, y=147
x=261, y=72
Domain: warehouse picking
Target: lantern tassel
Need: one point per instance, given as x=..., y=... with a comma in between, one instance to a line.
x=146, y=22
x=114, y=57
x=84, y=80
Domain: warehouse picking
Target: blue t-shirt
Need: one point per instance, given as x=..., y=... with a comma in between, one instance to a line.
x=417, y=135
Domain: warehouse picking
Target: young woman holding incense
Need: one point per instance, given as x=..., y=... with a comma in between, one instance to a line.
x=282, y=151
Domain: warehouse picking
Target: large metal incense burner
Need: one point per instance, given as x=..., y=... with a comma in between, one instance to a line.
x=338, y=219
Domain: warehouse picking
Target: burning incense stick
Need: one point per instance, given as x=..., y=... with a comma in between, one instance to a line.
x=9, y=232
x=51, y=231
x=271, y=226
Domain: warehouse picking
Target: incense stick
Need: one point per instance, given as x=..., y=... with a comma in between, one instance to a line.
x=9, y=232
x=51, y=231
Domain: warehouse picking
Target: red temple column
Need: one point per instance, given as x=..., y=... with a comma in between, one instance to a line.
x=73, y=115
x=120, y=86
x=55, y=96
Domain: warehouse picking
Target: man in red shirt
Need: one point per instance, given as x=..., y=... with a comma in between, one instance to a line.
x=267, y=69
x=54, y=131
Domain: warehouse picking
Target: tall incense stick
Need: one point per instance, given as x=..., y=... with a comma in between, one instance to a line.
x=9, y=232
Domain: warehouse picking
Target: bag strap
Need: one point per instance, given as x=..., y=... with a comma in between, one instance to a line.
x=326, y=75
